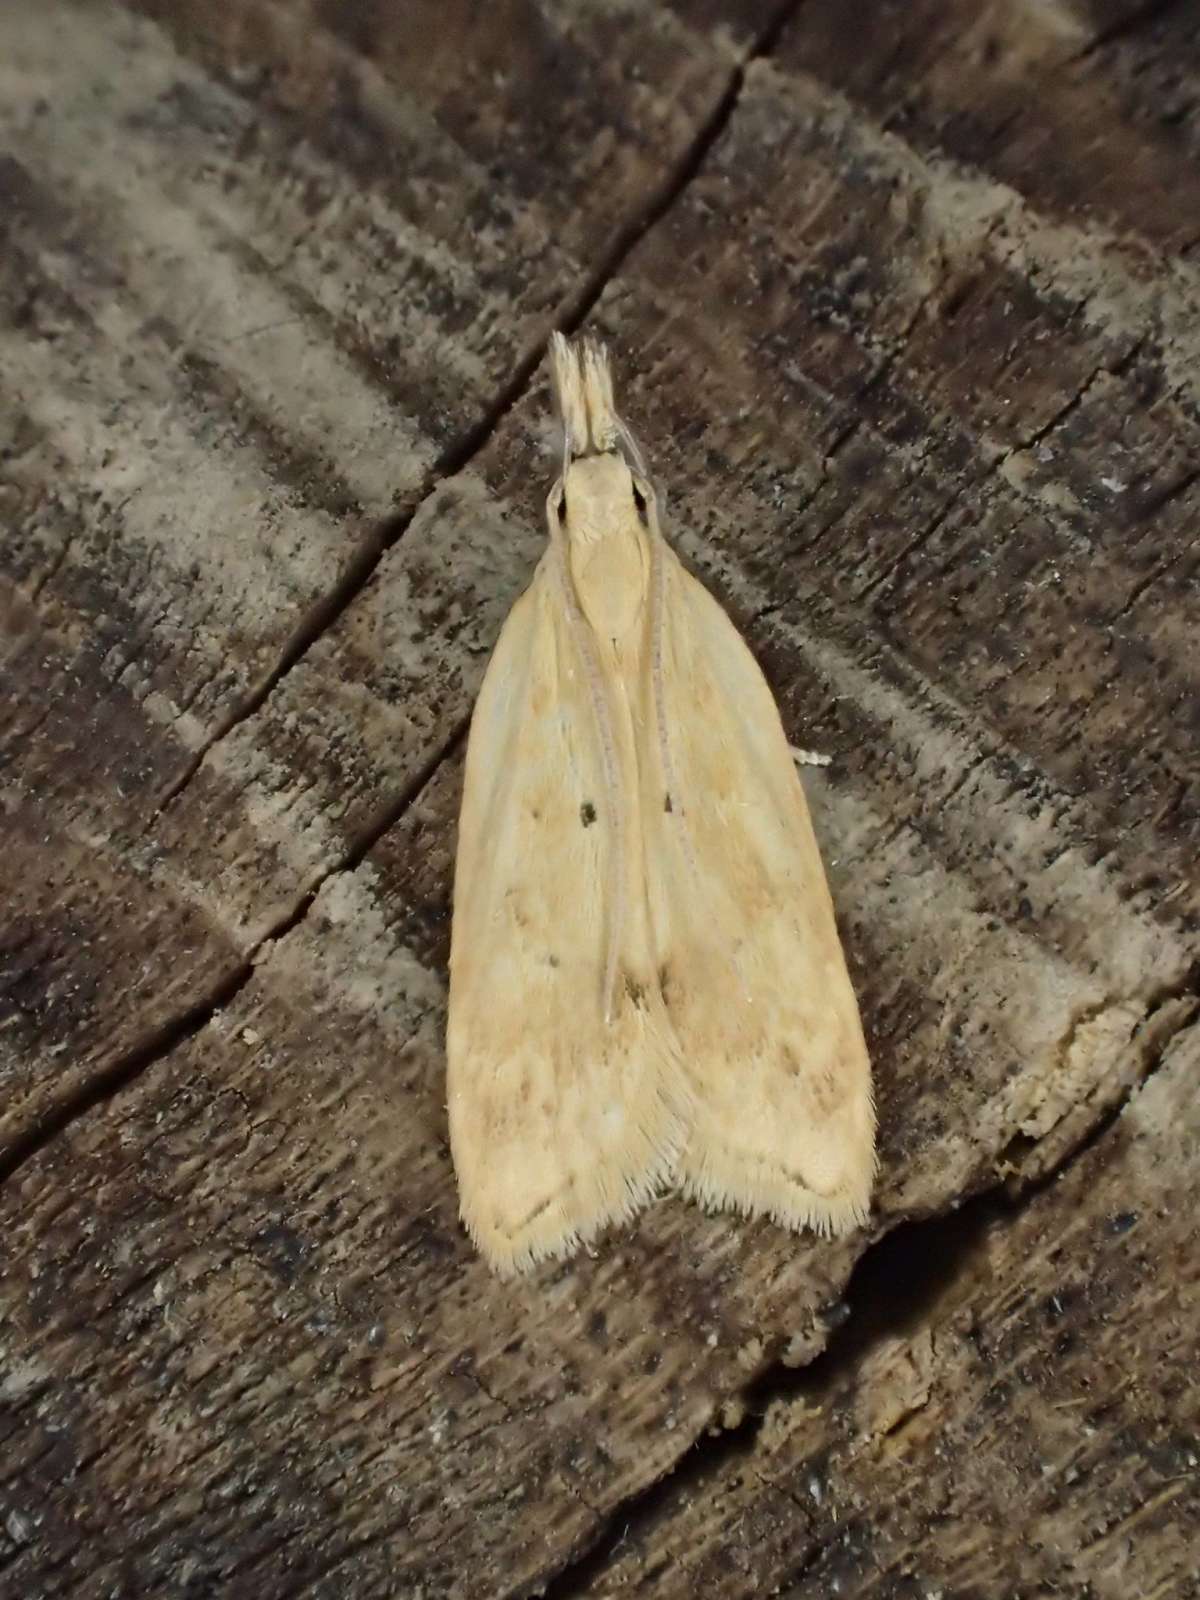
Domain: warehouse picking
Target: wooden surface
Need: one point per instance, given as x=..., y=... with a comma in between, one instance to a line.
x=907, y=317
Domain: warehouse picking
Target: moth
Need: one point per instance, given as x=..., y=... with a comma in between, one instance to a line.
x=647, y=988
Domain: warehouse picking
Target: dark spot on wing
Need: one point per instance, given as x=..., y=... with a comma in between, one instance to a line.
x=587, y=813
x=552, y=961
x=667, y=806
x=635, y=990
x=532, y=1216
x=665, y=983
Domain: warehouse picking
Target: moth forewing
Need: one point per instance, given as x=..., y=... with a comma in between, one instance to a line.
x=646, y=981
x=752, y=967
x=567, y=1100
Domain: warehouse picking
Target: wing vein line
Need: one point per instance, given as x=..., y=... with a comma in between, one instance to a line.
x=608, y=751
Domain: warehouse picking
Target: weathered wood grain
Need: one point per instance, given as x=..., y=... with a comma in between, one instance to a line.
x=1034, y=1433
x=236, y=356
x=926, y=423
x=1085, y=106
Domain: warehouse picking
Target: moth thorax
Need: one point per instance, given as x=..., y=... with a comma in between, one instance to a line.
x=598, y=500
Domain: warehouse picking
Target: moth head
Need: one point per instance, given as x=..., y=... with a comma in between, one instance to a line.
x=599, y=495
x=603, y=483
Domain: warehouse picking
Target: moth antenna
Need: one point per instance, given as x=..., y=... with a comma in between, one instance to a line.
x=632, y=451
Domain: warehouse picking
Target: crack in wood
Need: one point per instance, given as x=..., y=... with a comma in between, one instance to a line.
x=380, y=538
x=570, y=315
x=1124, y=27
x=175, y=1031
x=320, y=616
x=99, y=1089
x=890, y=1268
x=878, y=375
x=895, y=1287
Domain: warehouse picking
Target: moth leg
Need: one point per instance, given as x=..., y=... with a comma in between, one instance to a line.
x=808, y=758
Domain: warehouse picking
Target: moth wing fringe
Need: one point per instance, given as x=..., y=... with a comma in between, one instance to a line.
x=717, y=1187
x=561, y=1230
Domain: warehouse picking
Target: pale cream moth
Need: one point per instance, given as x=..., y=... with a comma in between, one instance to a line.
x=647, y=988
